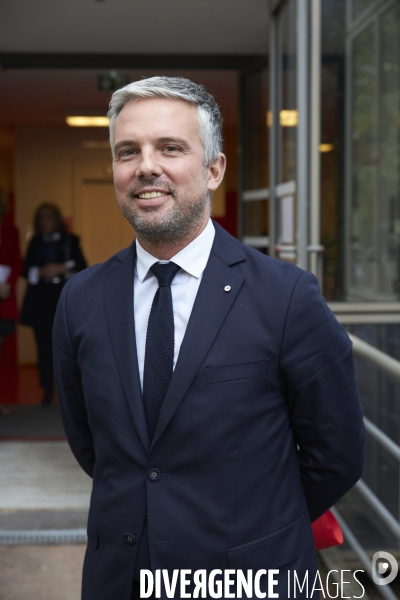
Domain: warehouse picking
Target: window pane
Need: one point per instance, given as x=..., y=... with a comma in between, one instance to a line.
x=389, y=164
x=287, y=92
x=256, y=132
x=255, y=148
x=359, y=6
x=363, y=193
x=332, y=153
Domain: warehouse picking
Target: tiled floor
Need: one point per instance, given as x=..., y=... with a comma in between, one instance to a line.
x=41, y=572
x=41, y=487
x=41, y=475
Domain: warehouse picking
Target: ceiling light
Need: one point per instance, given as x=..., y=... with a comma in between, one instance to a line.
x=326, y=147
x=87, y=121
x=289, y=118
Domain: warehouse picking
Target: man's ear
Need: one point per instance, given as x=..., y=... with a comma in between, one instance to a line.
x=216, y=172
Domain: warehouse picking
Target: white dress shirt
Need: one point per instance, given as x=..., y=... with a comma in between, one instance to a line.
x=193, y=260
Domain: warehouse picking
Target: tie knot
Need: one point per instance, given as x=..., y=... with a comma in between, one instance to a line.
x=165, y=272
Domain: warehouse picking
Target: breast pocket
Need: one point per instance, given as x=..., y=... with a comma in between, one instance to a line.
x=247, y=370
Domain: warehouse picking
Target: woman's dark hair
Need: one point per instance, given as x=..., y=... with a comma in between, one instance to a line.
x=59, y=222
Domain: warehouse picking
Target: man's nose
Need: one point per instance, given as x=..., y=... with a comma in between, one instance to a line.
x=148, y=164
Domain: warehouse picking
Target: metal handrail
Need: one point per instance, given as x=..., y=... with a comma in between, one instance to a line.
x=377, y=357
x=364, y=307
x=367, y=493
x=384, y=439
x=391, y=523
x=385, y=591
x=392, y=367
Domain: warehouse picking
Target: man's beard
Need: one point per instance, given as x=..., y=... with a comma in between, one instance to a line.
x=169, y=226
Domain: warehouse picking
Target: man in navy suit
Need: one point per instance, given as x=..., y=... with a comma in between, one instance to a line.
x=259, y=428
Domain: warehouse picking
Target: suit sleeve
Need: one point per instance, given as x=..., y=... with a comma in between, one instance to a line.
x=69, y=389
x=319, y=381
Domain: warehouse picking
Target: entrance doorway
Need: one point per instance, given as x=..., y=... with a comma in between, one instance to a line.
x=98, y=221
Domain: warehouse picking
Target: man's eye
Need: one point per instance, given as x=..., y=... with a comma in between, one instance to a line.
x=127, y=152
x=172, y=149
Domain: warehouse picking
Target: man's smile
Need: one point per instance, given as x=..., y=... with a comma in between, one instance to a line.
x=151, y=195
x=151, y=198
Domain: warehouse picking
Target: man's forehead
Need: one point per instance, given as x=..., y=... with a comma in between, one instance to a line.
x=160, y=117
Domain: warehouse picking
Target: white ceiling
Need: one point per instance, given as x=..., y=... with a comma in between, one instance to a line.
x=134, y=26
x=157, y=27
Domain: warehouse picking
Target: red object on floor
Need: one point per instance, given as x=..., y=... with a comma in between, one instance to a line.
x=19, y=385
x=326, y=531
x=9, y=350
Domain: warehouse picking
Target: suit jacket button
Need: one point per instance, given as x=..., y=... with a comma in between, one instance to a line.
x=129, y=539
x=154, y=474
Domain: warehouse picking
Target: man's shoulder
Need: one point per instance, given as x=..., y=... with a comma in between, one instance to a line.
x=250, y=260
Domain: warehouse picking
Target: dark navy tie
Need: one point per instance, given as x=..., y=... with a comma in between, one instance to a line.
x=157, y=373
x=159, y=353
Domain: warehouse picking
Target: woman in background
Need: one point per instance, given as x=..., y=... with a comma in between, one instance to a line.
x=10, y=269
x=53, y=257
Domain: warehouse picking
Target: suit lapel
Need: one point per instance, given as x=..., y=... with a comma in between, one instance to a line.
x=210, y=309
x=118, y=289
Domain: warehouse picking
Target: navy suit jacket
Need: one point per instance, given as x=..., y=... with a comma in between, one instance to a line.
x=260, y=432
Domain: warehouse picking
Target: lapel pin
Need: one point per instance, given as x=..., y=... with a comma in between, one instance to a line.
x=227, y=288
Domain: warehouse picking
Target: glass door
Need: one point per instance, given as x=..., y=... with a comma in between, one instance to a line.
x=294, y=125
x=283, y=123
x=254, y=192
x=280, y=121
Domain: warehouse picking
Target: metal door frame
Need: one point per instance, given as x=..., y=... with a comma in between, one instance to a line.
x=308, y=91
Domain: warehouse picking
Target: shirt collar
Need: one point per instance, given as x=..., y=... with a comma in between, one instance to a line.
x=192, y=258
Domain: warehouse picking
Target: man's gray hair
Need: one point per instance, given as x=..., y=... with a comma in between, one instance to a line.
x=176, y=88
